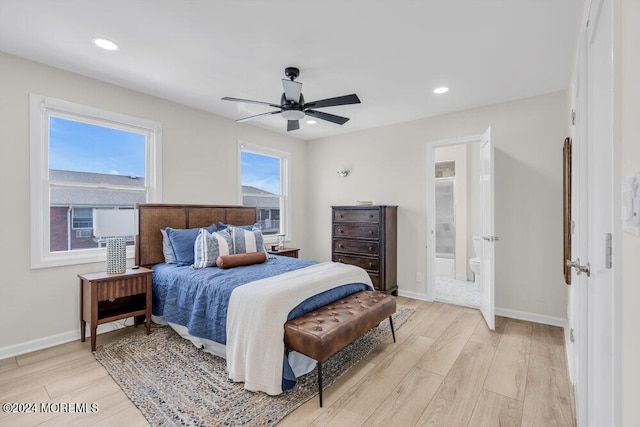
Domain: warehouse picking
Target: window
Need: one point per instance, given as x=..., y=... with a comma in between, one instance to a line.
x=82, y=159
x=264, y=184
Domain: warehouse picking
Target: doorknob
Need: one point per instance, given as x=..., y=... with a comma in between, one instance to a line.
x=579, y=268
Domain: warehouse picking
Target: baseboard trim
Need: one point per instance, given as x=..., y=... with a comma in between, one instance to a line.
x=414, y=295
x=53, y=340
x=531, y=317
x=504, y=312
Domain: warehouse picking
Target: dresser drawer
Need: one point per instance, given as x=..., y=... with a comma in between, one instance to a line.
x=356, y=246
x=362, y=262
x=356, y=215
x=356, y=231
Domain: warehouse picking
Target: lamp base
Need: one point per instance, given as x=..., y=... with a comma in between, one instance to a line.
x=116, y=255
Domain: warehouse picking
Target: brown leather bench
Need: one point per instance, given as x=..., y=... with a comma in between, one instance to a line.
x=325, y=331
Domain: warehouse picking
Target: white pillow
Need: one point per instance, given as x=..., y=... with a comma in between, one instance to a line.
x=209, y=246
x=167, y=249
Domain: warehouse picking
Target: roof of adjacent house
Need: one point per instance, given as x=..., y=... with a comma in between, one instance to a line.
x=64, y=196
x=253, y=196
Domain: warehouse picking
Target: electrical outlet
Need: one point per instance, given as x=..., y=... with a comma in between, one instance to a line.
x=418, y=277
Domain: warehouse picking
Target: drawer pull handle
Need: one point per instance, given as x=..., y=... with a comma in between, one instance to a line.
x=371, y=216
x=340, y=260
x=370, y=231
x=370, y=264
x=340, y=230
x=341, y=216
x=370, y=248
x=339, y=246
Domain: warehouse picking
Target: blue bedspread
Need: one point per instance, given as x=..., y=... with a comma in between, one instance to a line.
x=199, y=298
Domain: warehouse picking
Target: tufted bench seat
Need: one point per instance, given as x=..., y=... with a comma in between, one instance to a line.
x=326, y=330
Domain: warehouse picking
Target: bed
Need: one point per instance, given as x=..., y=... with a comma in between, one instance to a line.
x=238, y=313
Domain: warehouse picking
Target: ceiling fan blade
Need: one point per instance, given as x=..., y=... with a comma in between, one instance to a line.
x=227, y=98
x=330, y=102
x=328, y=117
x=257, y=115
x=293, y=125
x=292, y=90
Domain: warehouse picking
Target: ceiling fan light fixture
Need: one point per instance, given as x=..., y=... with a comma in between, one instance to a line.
x=292, y=114
x=105, y=44
x=441, y=90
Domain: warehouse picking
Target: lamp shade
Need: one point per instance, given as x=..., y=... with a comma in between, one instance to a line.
x=114, y=222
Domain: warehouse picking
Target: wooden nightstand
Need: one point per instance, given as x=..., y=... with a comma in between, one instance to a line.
x=108, y=297
x=290, y=252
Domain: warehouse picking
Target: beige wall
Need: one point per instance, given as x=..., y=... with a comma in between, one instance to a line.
x=388, y=167
x=630, y=164
x=199, y=166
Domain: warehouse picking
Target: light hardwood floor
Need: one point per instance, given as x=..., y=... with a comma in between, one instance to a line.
x=446, y=369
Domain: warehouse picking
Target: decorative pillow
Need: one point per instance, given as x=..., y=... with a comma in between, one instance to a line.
x=247, y=241
x=167, y=250
x=182, y=241
x=230, y=261
x=223, y=226
x=209, y=246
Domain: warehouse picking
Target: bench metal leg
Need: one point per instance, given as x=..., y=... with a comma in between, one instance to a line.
x=320, y=382
x=392, y=331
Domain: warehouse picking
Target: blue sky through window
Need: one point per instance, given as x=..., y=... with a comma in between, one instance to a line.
x=82, y=147
x=261, y=171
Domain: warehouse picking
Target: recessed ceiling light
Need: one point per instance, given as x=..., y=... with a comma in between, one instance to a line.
x=311, y=122
x=440, y=90
x=105, y=44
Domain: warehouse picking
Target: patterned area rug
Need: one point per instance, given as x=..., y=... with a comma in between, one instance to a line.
x=174, y=383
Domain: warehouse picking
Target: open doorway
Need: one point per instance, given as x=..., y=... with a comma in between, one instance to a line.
x=474, y=213
x=457, y=224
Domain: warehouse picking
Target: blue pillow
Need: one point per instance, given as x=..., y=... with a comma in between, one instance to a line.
x=209, y=246
x=247, y=241
x=223, y=226
x=182, y=242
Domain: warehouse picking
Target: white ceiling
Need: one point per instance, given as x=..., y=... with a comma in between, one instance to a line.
x=391, y=53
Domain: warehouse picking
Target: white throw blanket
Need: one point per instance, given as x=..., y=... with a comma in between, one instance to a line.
x=256, y=315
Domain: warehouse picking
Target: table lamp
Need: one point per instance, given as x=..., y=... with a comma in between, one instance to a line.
x=114, y=225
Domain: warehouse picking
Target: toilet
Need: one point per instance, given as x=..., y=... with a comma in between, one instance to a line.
x=475, y=262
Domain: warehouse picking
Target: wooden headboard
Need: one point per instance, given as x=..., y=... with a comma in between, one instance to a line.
x=153, y=217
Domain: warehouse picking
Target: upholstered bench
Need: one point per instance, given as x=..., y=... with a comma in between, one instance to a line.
x=325, y=331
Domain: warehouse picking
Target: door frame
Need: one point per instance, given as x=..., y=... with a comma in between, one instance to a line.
x=588, y=397
x=431, y=203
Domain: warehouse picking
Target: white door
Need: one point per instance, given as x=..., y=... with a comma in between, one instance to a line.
x=579, y=242
x=487, y=184
x=595, y=306
x=600, y=142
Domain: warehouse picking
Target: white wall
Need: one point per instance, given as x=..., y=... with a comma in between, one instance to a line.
x=199, y=166
x=630, y=164
x=458, y=154
x=388, y=167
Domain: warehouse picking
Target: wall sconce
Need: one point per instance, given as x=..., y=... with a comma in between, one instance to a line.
x=343, y=173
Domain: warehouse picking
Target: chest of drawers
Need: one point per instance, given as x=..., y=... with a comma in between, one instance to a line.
x=366, y=236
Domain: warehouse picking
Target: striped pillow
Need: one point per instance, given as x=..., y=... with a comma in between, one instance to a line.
x=209, y=246
x=247, y=241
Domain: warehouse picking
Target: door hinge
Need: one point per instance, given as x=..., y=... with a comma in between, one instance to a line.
x=573, y=117
x=573, y=227
x=608, y=262
x=571, y=337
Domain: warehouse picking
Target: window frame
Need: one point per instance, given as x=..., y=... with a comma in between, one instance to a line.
x=285, y=165
x=40, y=109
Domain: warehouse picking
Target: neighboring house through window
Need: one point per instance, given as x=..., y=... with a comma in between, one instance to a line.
x=83, y=159
x=264, y=184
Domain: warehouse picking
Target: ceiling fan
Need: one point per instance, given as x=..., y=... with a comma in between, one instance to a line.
x=292, y=106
